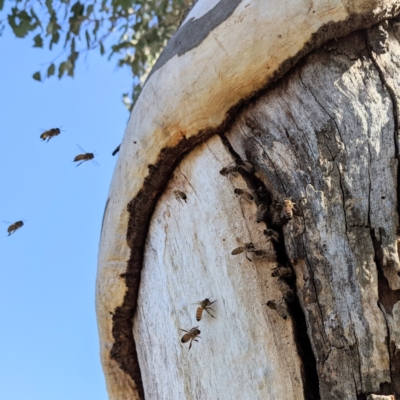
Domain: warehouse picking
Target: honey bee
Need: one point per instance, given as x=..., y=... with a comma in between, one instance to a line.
x=266, y=254
x=179, y=195
x=272, y=235
x=282, y=211
x=275, y=212
x=235, y=168
x=287, y=209
x=281, y=308
x=247, y=247
x=190, y=335
x=116, y=150
x=282, y=272
x=285, y=289
x=50, y=133
x=204, y=306
x=83, y=157
x=13, y=227
x=245, y=194
x=261, y=212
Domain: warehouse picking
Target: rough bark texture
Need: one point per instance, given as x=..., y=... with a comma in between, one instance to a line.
x=327, y=137
x=321, y=135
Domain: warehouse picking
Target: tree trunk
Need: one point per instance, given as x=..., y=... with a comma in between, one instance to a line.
x=325, y=135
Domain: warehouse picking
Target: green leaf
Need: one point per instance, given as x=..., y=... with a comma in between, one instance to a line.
x=54, y=39
x=51, y=70
x=36, y=76
x=38, y=41
x=89, y=9
x=96, y=27
x=77, y=8
x=63, y=67
x=1, y=4
x=87, y=39
x=20, y=22
x=102, y=50
x=49, y=5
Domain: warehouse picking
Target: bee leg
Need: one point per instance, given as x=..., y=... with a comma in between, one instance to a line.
x=248, y=257
x=211, y=314
x=79, y=163
x=183, y=330
x=190, y=346
x=208, y=312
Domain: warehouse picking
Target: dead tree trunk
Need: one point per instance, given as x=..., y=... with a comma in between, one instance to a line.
x=325, y=135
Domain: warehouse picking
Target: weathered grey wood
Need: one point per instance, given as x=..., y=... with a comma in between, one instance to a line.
x=327, y=137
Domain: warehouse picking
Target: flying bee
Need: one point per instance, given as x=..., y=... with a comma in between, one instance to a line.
x=50, y=133
x=116, y=150
x=179, y=195
x=247, y=247
x=84, y=157
x=282, y=272
x=245, y=194
x=204, y=306
x=13, y=227
x=272, y=235
x=285, y=289
x=261, y=212
x=190, y=335
x=281, y=308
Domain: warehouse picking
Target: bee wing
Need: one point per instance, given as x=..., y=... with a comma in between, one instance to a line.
x=81, y=149
x=95, y=162
x=7, y=222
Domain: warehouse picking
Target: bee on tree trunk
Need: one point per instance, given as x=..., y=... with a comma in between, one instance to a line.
x=179, y=195
x=236, y=167
x=265, y=254
x=245, y=194
x=247, y=247
x=282, y=211
x=281, y=308
x=285, y=289
x=272, y=235
x=282, y=272
x=262, y=210
x=204, y=306
x=190, y=335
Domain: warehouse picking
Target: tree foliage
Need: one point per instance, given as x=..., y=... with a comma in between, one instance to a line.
x=133, y=31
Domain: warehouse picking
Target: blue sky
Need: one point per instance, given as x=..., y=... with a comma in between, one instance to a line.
x=48, y=337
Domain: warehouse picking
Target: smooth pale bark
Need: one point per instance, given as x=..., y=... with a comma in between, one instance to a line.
x=248, y=351
x=187, y=96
